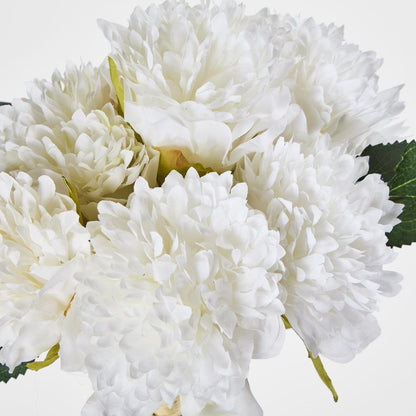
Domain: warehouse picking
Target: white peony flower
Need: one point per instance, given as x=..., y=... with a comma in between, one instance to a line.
x=203, y=80
x=69, y=127
x=332, y=227
x=208, y=79
x=334, y=84
x=41, y=241
x=181, y=293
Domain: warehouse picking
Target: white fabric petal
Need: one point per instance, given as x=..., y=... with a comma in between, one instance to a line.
x=203, y=80
x=41, y=246
x=166, y=294
x=332, y=226
x=69, y=127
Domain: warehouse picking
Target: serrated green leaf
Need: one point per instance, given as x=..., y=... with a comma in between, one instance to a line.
x=73, y=194
x=383, y=158
x=403, y=190
x=5, y=374
x=117, y=84
x=4, y=103
x=171, y=159
x=396, y=162
x=51, y=357
x=317, y=363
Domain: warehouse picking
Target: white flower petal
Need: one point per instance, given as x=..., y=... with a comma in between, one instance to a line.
x=332, y=228
x=69, y=127
x=41, y=244
x=199, y=79
x=163, y=298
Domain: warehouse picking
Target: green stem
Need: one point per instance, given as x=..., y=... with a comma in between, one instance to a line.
x=317, y=363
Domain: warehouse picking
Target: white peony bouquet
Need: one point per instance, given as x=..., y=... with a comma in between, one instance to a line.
x=167, y=216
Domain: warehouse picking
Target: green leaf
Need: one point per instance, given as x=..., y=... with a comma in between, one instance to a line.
x=403, y=190
x=21, y=369
x=73, y=194
x=171, y=159
x=51, y=357
x=4, y=103
x=317, y=363
x=396, y=162
x=117, y=84
x=383, y=158
x=5, y=374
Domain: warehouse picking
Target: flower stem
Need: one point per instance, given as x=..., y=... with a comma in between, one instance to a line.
x=317, y=363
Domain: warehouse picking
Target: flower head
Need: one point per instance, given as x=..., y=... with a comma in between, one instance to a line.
x=69, y=127
x=202, y=80
x=332, y=227
x=335, y=86
x=181, y=294
x=41, y=241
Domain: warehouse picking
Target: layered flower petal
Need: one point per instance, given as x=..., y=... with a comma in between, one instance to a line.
x=200, y=79
x=332, y=227
x=335, y=86
x=208, y=79
x=41, y=244
x=69, y=127
x=184, y=282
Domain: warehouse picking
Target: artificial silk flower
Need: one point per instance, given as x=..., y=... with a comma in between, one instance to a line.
x=333, y=229
x=334, y=84
x=41, y=244
x=184, y=280
x=203, y=80
x=69, y=127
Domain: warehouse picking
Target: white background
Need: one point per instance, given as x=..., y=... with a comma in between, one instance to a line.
x=38, y=35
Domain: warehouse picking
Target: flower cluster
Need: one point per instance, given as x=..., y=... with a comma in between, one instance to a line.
x=166, y=286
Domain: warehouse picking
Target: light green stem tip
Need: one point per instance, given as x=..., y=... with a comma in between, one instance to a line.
x=319, y=367
x=317, y=363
